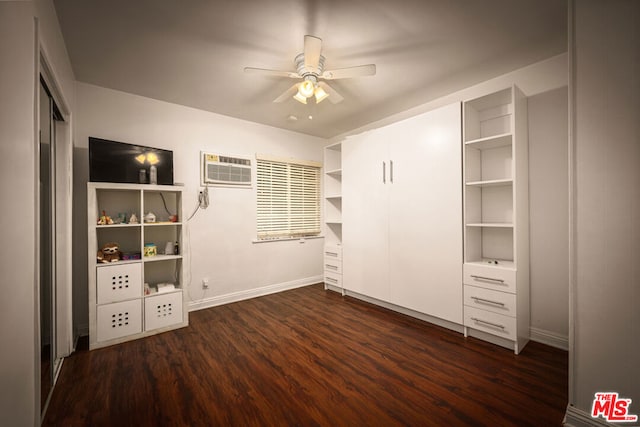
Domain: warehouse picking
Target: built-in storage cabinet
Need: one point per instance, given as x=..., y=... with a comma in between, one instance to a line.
x=333, y=215
x=496, y=263
x=402, y=214
x=142, y=293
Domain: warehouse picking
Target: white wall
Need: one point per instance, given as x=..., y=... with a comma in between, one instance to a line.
x=549, y=215
x=606, y=282
x=19, y=394
x=222, y=236
x=17, y=121
x=545, y=83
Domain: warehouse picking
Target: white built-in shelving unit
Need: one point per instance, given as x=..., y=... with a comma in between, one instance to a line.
x=496, y=222
x=121, y=307
x=333, y=216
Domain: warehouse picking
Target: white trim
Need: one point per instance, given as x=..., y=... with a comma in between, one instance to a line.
x=406, y=311
x=549, y=338
x=288, y=160
x=573, y=192
x=38, y=413
x=251, y=293
x=575, y=417
x=284, y=239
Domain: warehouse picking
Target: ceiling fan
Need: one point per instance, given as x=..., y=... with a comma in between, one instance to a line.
x=310, y=68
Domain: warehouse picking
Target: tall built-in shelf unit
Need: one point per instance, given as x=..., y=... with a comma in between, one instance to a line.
x=333, y=216
x=496, y=221
x=121, y=305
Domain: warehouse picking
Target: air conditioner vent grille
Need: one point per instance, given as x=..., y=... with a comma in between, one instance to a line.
x=226, y=170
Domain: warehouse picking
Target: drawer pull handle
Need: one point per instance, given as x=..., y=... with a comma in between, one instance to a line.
x=331, y=253
x=484, y=322
x=487, y=278
x=487, y=301
x=333, y=267
x=330, y=279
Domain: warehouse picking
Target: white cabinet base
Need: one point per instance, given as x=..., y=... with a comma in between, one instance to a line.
x=119, y=319
x=162, y=310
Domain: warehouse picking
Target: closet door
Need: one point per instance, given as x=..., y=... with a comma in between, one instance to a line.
x=425, y=214
x=365, y=233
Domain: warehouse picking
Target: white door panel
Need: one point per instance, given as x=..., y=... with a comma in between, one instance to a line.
x=425, y=214
x=364, y=213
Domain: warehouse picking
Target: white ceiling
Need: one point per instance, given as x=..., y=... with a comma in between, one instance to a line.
x=193, y=52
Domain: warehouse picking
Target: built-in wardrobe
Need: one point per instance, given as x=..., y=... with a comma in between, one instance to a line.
x=429, y=215
x=401, y=214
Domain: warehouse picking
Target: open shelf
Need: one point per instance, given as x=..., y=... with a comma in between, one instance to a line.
x=489, y=142
x=491, y=224
x=491, y=183
x=487, y=262
x=157, y=258
x=488, y=116
x=117, y=225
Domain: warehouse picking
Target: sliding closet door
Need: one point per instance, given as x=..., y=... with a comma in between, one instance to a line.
x=425, y=214
x=365, y=237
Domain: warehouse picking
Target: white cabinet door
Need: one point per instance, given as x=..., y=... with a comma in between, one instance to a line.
x=425, y=214
x=365, y=240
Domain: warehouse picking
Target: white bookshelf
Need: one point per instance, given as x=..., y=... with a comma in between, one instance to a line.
x=496, y=230
x=120, y=306
x=333, y=216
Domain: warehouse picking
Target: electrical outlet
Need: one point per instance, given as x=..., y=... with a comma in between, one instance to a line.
x=205, y=283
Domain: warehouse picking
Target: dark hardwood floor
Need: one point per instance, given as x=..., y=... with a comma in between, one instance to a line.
x=309, y=357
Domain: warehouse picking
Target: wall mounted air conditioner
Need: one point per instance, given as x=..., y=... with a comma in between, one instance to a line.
x=227, y=171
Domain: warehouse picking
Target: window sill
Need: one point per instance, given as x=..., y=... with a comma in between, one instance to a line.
x=284, y=239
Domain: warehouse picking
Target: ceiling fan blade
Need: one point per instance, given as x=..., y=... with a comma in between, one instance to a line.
x=346, y=73
x=334, y=96
x=312, y=48
x=277, y=73
x=287, y=94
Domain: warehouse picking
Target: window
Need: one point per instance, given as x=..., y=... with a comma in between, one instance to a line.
x=288, y=198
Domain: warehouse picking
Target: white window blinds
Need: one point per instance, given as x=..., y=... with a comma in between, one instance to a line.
x=288, y=198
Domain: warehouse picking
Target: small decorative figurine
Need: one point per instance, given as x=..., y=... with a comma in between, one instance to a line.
x=105, y=219
x=133, y=219
x=150, y=217
x=122, y=218
x=110, y=252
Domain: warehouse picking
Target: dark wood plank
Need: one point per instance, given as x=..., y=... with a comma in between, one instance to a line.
x=309, y=357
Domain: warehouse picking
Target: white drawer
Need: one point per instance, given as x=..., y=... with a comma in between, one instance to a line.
x=332, y=251
x=119, y=319
x=162, y=310
x=333, y=279
x=332, y=265
x=500, y=279
x=490, y=300
x=118, y=282
x=492, y=323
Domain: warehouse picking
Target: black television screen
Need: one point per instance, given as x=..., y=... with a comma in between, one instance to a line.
x=112, y=161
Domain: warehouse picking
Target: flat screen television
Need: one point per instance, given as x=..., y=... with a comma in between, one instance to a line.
x=112, y=161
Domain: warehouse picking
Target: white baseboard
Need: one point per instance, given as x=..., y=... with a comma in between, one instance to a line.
x=575, y=417
x=407, y=311
x=252, y=293
x=549, y=338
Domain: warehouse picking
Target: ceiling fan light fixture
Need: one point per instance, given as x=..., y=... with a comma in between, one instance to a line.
x=300, y=98
x=320, y=94
x=306, y=88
